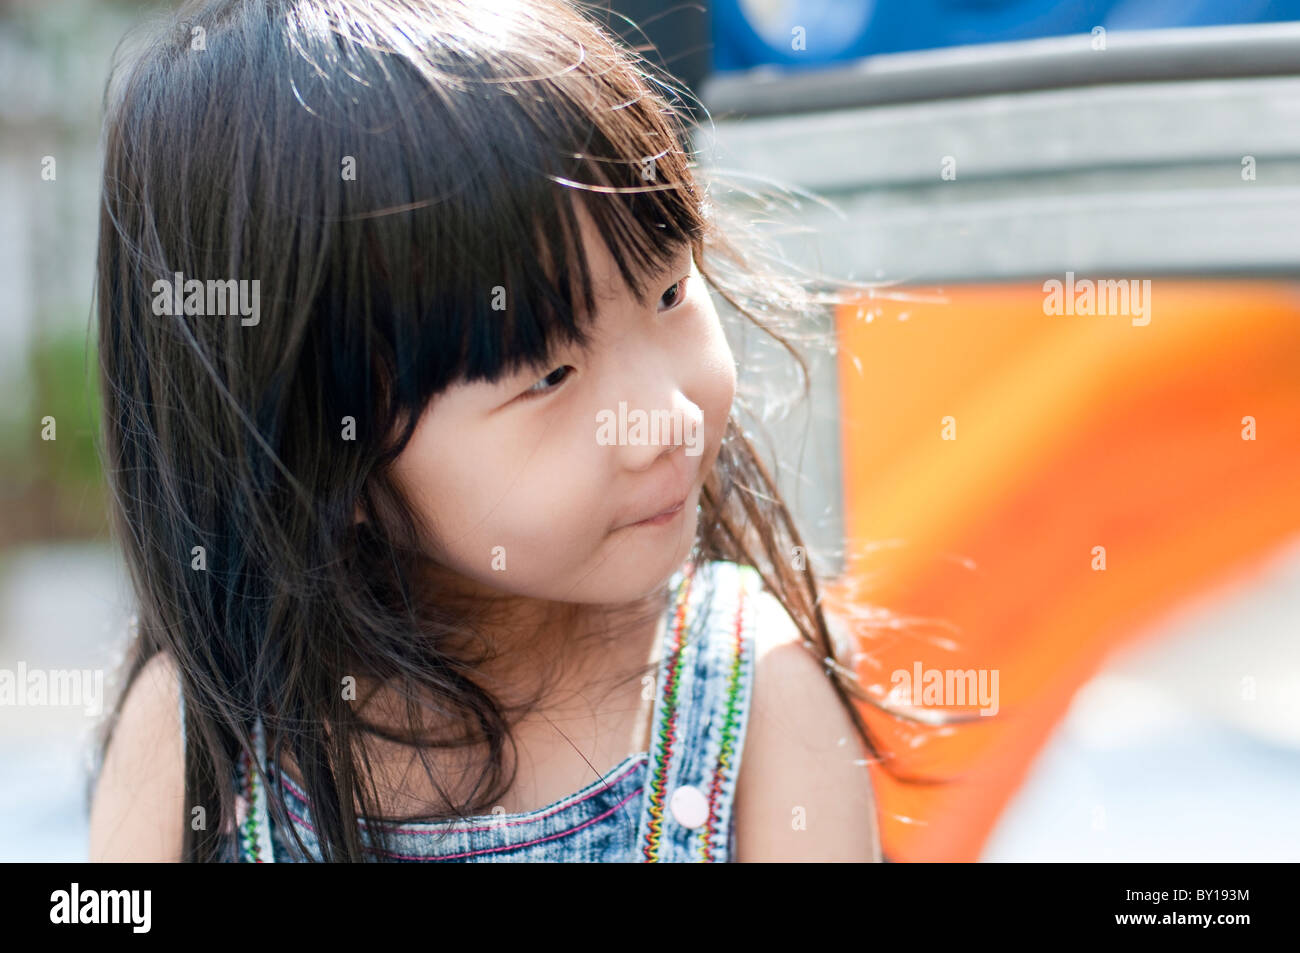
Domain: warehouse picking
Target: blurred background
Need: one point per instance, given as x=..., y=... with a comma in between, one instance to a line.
x=1101, y=506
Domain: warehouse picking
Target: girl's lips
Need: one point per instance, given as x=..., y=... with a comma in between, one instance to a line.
x=665, y=517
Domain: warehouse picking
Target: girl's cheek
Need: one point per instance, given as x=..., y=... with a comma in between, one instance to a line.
x=717, y=376
x=719, y=363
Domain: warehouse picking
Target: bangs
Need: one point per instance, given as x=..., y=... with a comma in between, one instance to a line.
x=459, y=239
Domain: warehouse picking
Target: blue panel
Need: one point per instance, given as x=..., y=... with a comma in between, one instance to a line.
x=833, y=31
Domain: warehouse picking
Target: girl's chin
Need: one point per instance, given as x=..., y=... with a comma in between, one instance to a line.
x=648, y=559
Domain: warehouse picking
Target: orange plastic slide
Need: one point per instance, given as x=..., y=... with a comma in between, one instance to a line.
x=1027, y=491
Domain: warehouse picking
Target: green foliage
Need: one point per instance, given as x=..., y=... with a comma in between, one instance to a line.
x=65, y=382
x=62, y=476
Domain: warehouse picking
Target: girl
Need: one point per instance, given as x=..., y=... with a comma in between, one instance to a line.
x=388, y=291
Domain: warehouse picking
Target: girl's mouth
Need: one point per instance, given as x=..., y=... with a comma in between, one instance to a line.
x=664, y=518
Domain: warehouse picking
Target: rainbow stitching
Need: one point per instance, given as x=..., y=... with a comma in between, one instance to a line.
x=668, y=726
x=728, y=730
x=250, y=822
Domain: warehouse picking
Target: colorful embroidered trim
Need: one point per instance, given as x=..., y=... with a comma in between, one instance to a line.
x=668, y=724
x=255, y=835
x=728, y=729
x=248, y=832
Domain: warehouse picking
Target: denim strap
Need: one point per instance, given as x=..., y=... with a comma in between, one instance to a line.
x=702, y=707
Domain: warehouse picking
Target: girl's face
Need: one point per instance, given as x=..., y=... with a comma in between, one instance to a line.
x=540, y=485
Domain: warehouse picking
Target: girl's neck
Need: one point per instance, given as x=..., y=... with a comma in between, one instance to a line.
x=579, y=650
x=545, y=660
x=532, y=642
x=593, y=704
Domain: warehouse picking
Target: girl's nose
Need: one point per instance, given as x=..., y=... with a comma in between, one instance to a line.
x=643, y=433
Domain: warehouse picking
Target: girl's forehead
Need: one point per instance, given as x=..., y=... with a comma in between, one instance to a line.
x=606, y=280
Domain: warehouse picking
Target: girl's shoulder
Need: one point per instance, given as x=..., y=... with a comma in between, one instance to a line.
x=801, y=749
x=141, y=782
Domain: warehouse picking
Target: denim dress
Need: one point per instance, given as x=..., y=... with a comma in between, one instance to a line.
x=672, y=803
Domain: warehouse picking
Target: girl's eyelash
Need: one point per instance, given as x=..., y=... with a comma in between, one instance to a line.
x=533, y=392
x=680, y=294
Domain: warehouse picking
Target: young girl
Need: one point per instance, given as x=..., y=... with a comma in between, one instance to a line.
x=388, y=291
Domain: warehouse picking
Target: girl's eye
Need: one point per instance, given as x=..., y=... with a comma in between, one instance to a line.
x=547, y=383
x=680, y=289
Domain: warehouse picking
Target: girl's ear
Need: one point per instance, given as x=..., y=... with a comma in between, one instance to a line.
x=358, y=516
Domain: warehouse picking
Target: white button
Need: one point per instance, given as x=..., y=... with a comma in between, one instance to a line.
x=689, y=806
